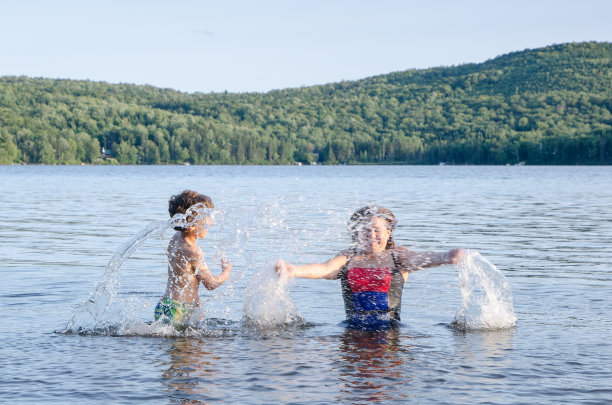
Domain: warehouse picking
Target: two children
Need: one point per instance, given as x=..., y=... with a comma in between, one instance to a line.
x=372, y=271
x=186, y=265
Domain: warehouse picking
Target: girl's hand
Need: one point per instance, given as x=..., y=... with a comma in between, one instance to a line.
x=453, y=256
x=282, y=268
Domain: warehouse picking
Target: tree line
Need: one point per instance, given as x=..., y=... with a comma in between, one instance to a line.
x=550, y=105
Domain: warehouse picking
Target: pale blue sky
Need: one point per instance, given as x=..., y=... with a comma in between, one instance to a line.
x=260, y=45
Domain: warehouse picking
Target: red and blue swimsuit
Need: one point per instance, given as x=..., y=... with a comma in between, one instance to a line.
x=372, y=296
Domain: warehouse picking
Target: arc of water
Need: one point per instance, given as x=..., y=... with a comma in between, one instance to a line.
x=98, y=301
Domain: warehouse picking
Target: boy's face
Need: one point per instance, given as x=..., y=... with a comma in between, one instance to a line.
x=201, y=226
x=199, y=220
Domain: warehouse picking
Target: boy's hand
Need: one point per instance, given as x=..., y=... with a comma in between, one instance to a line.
x=226, y=266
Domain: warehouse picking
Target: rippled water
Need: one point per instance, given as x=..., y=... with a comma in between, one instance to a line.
x=547, y=229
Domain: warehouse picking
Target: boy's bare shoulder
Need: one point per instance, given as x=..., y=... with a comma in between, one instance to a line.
x=191, y=251
x=179, y=247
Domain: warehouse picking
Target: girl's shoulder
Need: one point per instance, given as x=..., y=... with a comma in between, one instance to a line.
x=350, y=252
x=402, y=251
x=401, y=256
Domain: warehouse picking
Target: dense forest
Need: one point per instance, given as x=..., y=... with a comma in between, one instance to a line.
x=551, y=105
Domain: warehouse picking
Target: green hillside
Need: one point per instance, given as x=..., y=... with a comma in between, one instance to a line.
x=551, y=105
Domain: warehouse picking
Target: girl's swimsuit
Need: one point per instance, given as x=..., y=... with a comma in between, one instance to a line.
x=372, y=296
x=173, y=311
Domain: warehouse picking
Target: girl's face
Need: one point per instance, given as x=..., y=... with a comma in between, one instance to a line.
x=374, y=235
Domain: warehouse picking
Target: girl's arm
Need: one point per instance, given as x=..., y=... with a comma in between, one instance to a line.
x=413, y=260
x=328, y=269
x=208, y=280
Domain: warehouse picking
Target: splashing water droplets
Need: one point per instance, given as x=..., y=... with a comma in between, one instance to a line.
x=113, y=308
x=89, y=315
x=486, y=296
x=267, y=302
x=105, y=308
x=122, y=301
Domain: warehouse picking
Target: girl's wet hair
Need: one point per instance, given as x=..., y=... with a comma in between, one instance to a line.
x=180, y=203
x=364, y=215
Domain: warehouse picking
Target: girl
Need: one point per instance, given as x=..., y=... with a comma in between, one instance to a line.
x=373, y=270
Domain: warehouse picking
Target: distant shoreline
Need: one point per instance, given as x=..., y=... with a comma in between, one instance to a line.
x=545, y=106
x=294, y=165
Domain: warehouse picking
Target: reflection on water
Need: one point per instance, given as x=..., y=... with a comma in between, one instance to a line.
x=485, y=358
x=487, y=348
x=371, y=366
x=191, y=371
x=351, y=367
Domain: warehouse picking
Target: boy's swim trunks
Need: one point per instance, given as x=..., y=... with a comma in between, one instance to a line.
x=173, y=311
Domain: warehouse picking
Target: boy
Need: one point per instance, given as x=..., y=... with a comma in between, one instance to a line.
x=186, y=265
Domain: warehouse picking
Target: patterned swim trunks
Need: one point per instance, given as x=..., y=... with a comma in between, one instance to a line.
x=173, y=311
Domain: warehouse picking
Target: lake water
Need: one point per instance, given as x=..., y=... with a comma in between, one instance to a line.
x=547, y=229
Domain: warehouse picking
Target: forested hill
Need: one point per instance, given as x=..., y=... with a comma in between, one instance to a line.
x=551, y=105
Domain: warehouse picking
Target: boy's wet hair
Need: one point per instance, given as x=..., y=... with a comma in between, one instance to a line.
x=365, y=214
x=180, y=203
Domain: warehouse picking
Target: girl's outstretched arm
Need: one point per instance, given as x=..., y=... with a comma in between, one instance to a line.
x=414, y=260
x=328, y=269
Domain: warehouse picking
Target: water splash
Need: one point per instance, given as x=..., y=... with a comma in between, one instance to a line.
x=89, y=314
x=194, y=214
x=267, y=302
x=92, y=315
x=486, y=296
x=114, y=309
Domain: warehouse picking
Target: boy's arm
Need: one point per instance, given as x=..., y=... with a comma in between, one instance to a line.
x=208, y=280
x=328, y=269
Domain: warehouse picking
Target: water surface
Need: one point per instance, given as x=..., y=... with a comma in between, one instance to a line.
x=548, y=230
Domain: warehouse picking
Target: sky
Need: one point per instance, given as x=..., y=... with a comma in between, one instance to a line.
x=261, y=45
